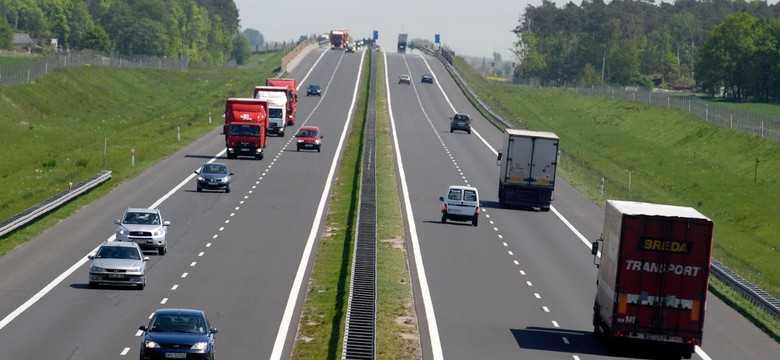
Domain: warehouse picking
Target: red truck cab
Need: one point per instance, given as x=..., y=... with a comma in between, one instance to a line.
x=653, y=275
x=292, y=98
x=245, y=127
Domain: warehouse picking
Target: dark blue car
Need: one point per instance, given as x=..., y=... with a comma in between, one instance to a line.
x=178, y=334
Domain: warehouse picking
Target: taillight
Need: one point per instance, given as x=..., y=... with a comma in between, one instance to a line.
x=445, y=207
x=476, y=210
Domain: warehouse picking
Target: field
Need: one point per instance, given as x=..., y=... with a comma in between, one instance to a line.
x=75, y=122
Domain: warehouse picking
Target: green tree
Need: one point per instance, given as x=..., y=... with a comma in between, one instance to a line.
x=728, y=54
x=97, y=39
x=255, y=37
x=589, y=75
x=6, y=34
x=241, y=50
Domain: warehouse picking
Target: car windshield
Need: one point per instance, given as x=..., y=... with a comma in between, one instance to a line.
x=142, y=218
x=178, y=324
x=307, y=133
x=461, y=117
x=314, y=87
x=469, y=195
x=214, y=169
x=455, y=194
x=118, y=252
x=245, y=130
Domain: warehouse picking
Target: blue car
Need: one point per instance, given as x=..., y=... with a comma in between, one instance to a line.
x=214, y=176
x=178, y=334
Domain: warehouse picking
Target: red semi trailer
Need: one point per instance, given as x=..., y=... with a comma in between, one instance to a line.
x=246, y=121
x=652, y=275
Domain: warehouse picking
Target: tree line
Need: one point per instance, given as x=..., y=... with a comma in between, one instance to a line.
x=199, y=30
x=723, y=47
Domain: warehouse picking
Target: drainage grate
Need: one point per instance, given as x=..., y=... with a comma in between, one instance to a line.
x=360, y=332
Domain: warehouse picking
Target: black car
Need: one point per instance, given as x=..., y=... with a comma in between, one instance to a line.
x=178, y=334
x=314, y=89
x=214, y=176
x=427, y=79
x=460, y=122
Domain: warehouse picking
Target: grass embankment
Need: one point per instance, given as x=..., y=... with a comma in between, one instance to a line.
x=321, y=328
x=54, y=130
x=670, y=156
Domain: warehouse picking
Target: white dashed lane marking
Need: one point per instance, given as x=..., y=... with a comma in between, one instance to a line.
x=125, y=351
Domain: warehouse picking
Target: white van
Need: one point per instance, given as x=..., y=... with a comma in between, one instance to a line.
x=461, y=203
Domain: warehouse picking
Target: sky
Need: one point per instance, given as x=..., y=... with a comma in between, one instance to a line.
x=470, y=28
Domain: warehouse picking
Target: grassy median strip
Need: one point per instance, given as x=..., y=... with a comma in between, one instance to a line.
x=321, y=328
x=56, y=130
x=670, y=157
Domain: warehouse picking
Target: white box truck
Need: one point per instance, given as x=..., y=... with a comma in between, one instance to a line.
x=277, y=107
x=528, y=162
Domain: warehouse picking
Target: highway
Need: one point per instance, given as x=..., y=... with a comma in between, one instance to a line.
x=520, y=285
x=237, y=256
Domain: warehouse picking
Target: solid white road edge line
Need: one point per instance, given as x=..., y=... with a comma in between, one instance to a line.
x=699, y=351
x=433, y=329
x=40, y=294
x=292, y=300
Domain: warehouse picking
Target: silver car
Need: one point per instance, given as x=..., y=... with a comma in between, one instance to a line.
x=145, y=227
x=118, y=263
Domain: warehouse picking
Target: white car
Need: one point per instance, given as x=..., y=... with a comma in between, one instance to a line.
x=405, y=79
x=461, y=203
x=118, y=263
x=145, y=227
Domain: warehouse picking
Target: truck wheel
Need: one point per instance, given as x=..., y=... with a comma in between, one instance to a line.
x=281, y=133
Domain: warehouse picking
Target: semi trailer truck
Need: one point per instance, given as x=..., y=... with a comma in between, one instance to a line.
x=528, y=162
x=653, y=273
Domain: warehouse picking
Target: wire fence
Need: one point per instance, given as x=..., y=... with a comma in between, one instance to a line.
x=761, y=125
x=29, y=72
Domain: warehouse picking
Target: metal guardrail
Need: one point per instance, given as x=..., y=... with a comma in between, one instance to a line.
x=752, y=293
x=360, y=330
x=52, y=203
x=748, y=290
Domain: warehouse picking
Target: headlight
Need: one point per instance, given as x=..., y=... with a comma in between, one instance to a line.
x=96, y=269
x=201, y=178
x=121, y=231
x=158, y=232
x=300, y=141
x=200, y=346
x=317, y=141
x=151, y=344
x=225, y=179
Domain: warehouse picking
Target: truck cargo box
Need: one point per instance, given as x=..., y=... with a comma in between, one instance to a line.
x=653, y=274
x=530, y=160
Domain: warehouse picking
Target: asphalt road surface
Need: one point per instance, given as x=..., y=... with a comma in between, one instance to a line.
x=520, y=285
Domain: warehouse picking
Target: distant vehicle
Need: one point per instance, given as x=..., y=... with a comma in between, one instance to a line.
x=427, y=78
x=145, y=227
x=214, y=176
x=402, y=42
x=527, y=177
x=461, y=203
x=349, y=49
x=653, y=273
x=314, y=89
x=460, y=122
x=246, y=123
x=339, y=39
x=118, y=263
x=405, y=79
x=309, y=138
x=178, y=334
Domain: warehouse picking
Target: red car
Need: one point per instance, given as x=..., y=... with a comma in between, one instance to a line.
x=309, y=138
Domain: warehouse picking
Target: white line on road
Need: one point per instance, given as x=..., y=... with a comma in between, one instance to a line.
x=125, y=351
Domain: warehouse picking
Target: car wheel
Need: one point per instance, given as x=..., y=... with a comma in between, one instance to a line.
x=297, y=149
x=93, y=285
x=469, y=131
x=200, y=189
x=443, y=219
x=162, y=250
x=227, y=189
x=475, y=220
x=141, y=286
x=451, y=130
x=545, y=208
x=318, y=149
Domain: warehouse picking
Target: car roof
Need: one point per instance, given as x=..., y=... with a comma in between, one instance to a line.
x=215, y=163
x=317, y=128
x=142, y=210
x=119, y=244
x=190, y=312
